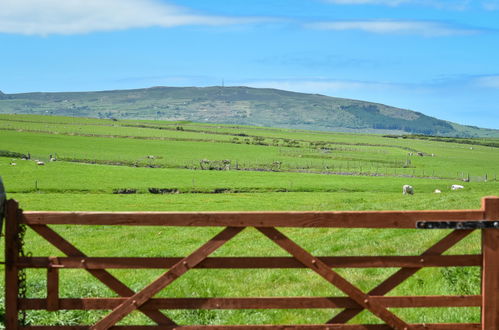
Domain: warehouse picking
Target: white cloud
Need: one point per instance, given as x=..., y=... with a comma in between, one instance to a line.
x=424, y=28
x=488, y=81
x=441, y=4
x=44, y=17
x=370, y=2
x=322, y=86
x=491, y=5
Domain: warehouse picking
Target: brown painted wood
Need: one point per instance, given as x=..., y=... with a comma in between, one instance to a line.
x=334, y=278
x=257, y=303
x=11, y=270
x=490, y=268
x=438, y=326
x=102, y=275
x=52, y=289
x=365, y=219
x=402, y=274
x=139, y=298
x=254, y=262
x=409, y=264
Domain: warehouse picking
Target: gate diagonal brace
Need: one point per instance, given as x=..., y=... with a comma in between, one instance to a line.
x=482, y=224
x=101, y=274
x=334, y=278
x=403, y=273
x=183, y=266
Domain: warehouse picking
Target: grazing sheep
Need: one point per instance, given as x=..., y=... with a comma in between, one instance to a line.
x=40, y=163
x=226, y=164
x=13, y=164
x=437, y=191
x=407, y=189
x=204, y=162
x=456, y=187
x=53, y=159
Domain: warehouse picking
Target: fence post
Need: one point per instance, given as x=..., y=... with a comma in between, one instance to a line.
x=490, y=266
x=11, y=270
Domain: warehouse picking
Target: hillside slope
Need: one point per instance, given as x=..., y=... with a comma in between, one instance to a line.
x=237, y=105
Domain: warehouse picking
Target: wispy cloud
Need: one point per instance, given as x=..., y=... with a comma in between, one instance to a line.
x=436, y=86
x=423, y=28
x=488, y=81
x=44, y=17
x=310, y=59
x=370, y=2
x=440, y=4
x=323, y=86
x=491, y=5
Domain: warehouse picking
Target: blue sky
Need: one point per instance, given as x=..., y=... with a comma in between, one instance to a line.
x=437, y=57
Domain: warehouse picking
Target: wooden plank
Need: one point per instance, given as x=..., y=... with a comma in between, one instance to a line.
x=139, y=298
x=52, y=289
x=334, y=278
x=427, y=326
x=257, y=303
x=490, y=268
x=11, y=271
x=105, y=277
x=364, y=219
x=3, y=198
x=402, y=274
x=255, y=262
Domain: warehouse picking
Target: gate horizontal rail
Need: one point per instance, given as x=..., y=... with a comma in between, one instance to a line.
x=258, y=303
x=352, y=304
x=253, y=262
x=363, y=219
x=425, y=326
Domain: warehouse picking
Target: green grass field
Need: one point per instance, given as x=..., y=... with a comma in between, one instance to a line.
x=97, y=159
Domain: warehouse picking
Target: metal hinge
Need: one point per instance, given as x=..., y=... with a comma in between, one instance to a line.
x=481, y=224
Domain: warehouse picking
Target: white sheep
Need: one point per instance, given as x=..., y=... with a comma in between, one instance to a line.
x=437, y=191
x=40, y=163
x=456, y=187
x=407, y=189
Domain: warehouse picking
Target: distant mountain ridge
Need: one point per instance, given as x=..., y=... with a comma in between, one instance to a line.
x=238, y=105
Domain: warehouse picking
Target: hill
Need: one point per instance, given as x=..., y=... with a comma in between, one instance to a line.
x=238, y=105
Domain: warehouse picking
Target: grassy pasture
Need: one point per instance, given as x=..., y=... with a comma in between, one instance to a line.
x=64, y=185
x=106, y=141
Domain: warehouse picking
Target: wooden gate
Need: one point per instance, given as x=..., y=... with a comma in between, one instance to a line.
x=375, y=301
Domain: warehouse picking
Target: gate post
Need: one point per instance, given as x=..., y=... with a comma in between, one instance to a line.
x=11, y=269
x=490, y=266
